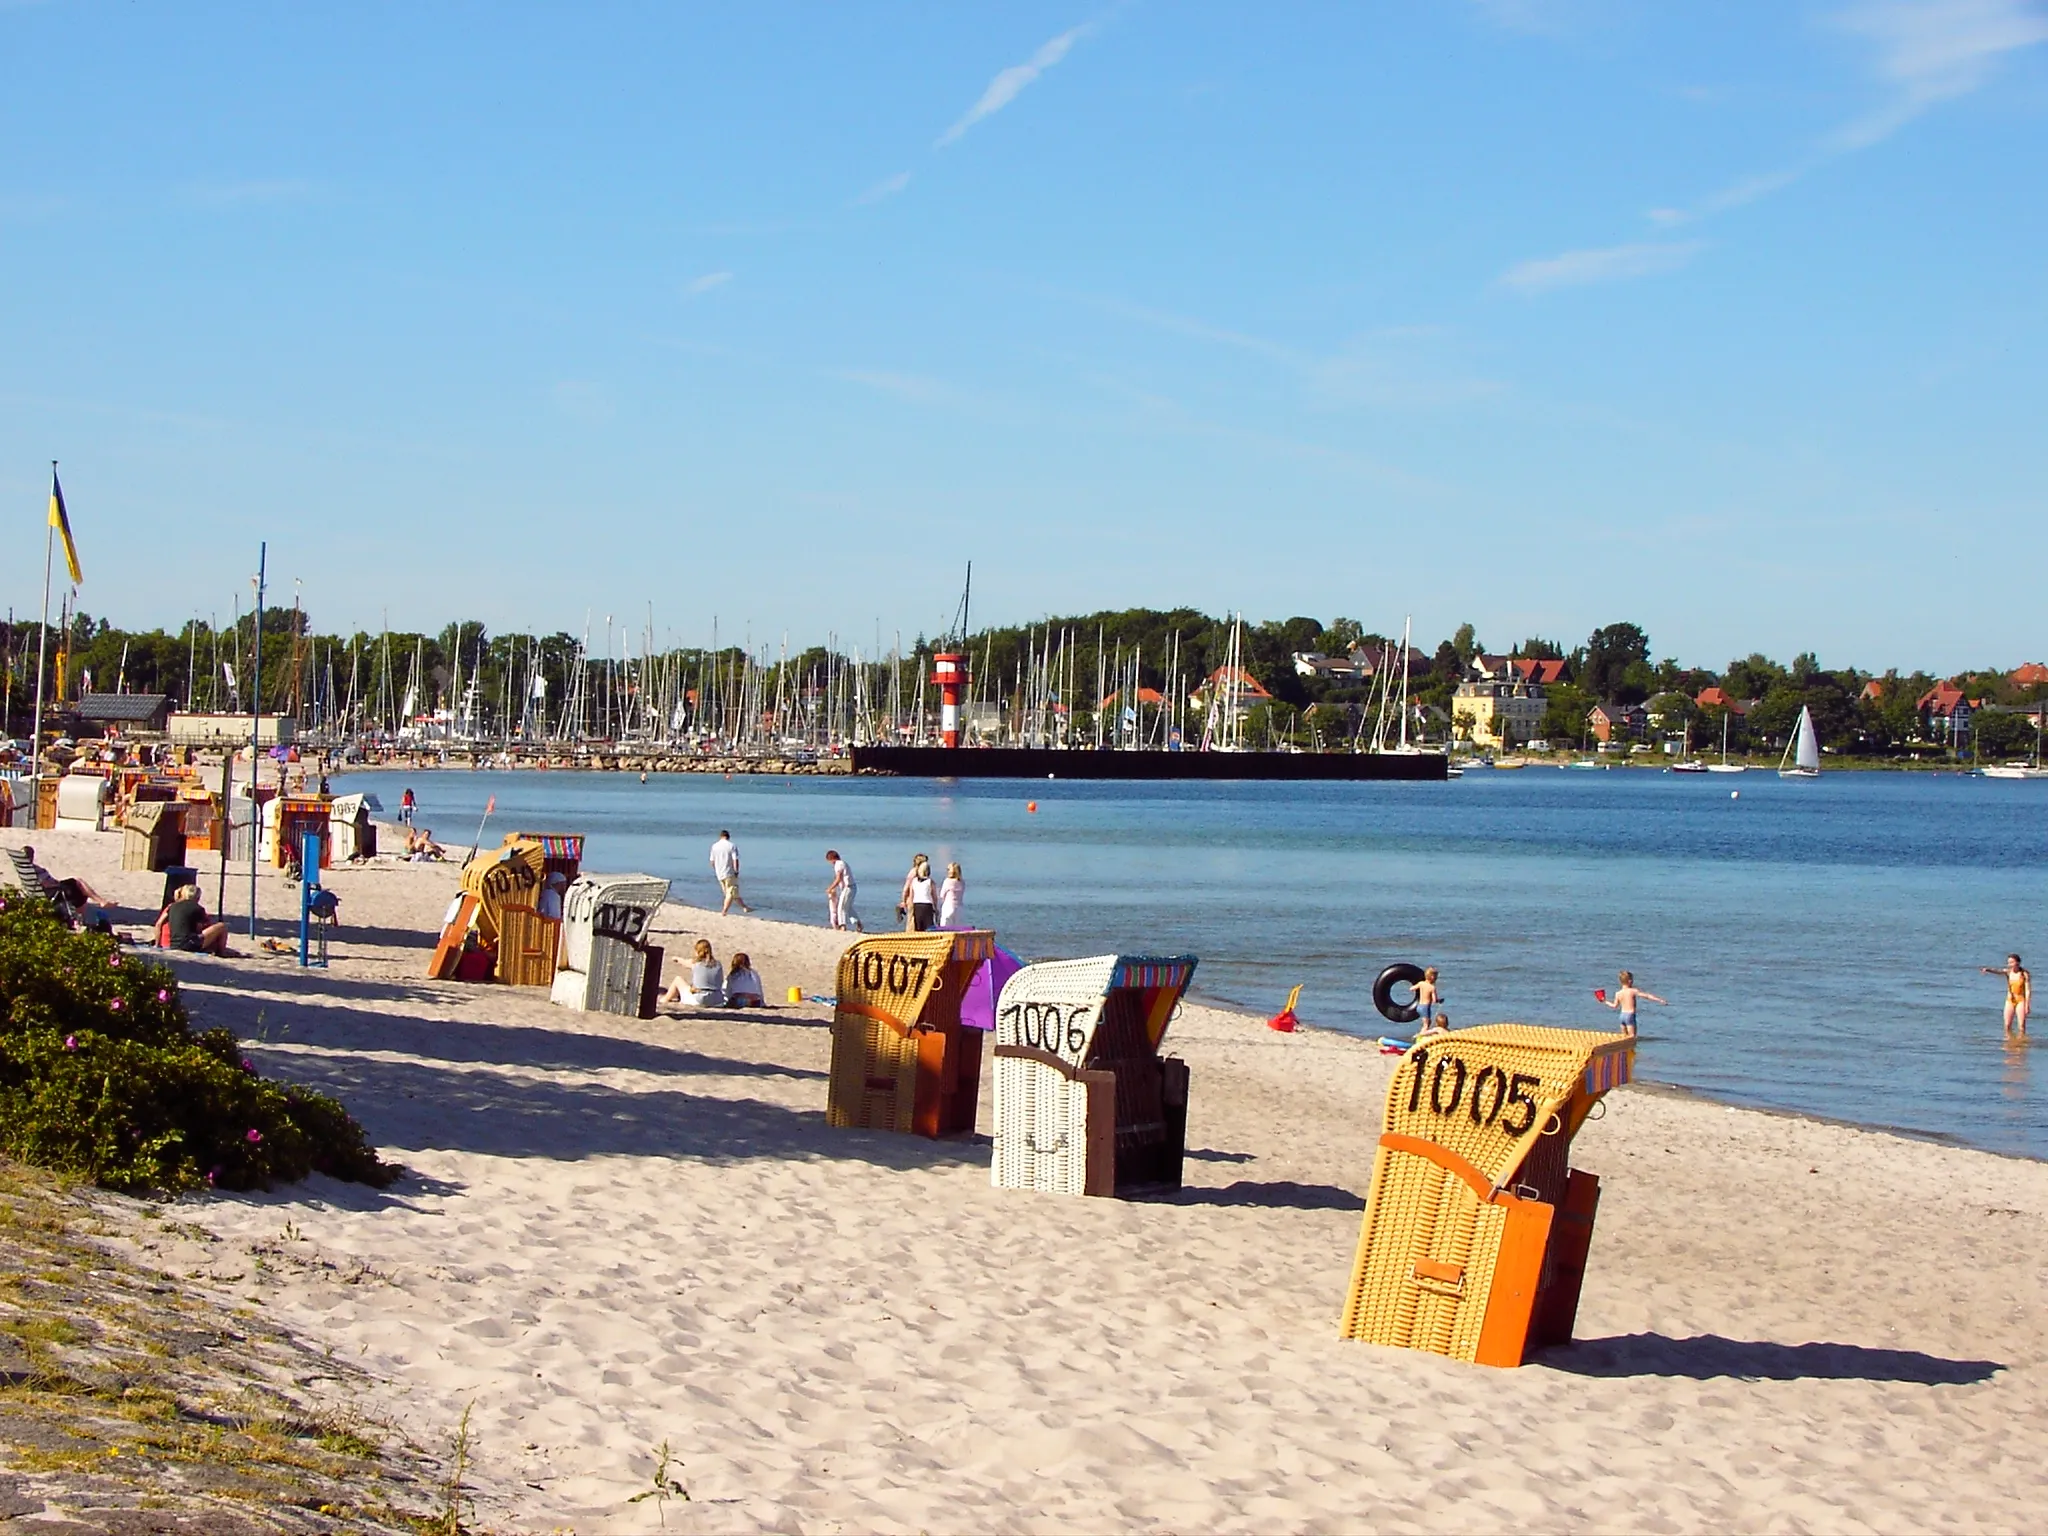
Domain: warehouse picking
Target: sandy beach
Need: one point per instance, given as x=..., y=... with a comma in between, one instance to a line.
x=616, y=1234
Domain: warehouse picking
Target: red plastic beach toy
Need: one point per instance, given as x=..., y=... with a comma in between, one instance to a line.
x=1284, y=1020
x=1600, y=994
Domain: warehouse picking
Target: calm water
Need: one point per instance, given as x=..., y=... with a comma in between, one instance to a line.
x=1819, y=941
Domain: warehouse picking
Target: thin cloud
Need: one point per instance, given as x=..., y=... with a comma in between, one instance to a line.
x=707, y=282
x=1009, y=83
x=1609, y=264
x=228, y=194
x=888, y=186
x=904, y=386
x=1927, y=52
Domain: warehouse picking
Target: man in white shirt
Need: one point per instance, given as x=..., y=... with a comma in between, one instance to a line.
x=839, y=894
x=725, y=864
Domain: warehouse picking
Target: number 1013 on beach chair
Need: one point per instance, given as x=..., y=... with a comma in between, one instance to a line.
x=1477, y=1228
x=1085, y=1104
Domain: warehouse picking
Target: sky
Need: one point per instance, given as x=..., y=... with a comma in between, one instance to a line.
x=1729, y=319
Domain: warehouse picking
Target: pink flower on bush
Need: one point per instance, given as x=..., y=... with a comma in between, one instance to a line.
x=113, y=962
x=163, y=994
x=211, y=1174
x=71, y=1042
x=254, y=1136
x=115, y=1005
x=248, y=1066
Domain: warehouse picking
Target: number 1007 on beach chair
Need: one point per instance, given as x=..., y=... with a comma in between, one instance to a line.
x=901, y=1059
x=1085, y=1104
x=1477, y=1228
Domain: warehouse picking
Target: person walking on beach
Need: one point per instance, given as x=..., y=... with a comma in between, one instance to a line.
x=839, y=894
x=407, y=806
x=920, y=898
x=952, y=893
x=725, y=864
x=2019, y=996
x=1625, y=999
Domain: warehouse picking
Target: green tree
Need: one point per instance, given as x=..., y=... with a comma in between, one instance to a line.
x=1610, y=652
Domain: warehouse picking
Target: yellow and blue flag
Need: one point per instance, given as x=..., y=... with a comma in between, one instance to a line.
x=61, y=521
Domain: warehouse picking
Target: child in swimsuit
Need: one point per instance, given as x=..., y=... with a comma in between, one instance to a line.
x=2019, y=995
x=1624, y=1001
x=1428, y=1006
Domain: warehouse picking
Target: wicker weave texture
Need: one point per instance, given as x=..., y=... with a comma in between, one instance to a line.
x=1050, y=1037
x=896, y=1029
x=1465, y=1111
x=621, y=906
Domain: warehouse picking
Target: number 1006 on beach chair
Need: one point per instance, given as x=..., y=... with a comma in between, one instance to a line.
x=1477, y=1228
x=1085, y=1104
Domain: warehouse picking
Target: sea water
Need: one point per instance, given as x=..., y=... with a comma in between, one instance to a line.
x=1819, y=941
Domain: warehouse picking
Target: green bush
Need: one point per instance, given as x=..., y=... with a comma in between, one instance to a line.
x=102, y=1075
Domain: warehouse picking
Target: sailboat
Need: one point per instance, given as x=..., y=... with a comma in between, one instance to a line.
x=2032, y=770
x=1802, y=752
x=1687, y=763
x=1724, y=766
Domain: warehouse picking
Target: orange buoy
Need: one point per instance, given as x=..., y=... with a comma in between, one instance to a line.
x=1031, y=806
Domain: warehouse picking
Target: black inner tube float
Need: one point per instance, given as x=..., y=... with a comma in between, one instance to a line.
x=1399, y=974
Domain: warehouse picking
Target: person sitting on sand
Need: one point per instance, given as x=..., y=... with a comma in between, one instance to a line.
x=421, y=848
x=704, y=987
x=1624, y=1001
x=1429, y=1005
x=743, y=987
x=186, y=926
x=548, y=903
x=2019, y=996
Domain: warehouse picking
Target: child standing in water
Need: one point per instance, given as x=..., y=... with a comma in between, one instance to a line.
x=1625, y=998
x=2019, y=996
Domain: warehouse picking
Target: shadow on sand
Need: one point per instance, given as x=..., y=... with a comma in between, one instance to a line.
x=1707, y=1356
x=1279, y=1195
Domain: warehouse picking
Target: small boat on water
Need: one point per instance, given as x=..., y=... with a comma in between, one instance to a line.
x=1724, y=766
x=1688, y=767
x=1802, y=752
x=2032, y=770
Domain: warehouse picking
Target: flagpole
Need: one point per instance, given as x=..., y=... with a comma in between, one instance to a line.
x=35, y=727
x=256, y=744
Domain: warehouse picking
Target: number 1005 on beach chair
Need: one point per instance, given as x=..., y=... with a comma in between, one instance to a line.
x=901, y=1059
x=1477, y=1228
x=1085, y=1104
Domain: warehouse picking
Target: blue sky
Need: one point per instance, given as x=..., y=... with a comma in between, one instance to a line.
x=1726, y=318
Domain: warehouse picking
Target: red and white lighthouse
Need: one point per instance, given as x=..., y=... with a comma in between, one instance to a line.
x=949, y=672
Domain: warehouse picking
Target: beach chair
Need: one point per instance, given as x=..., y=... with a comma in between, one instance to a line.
x=1085, y=1104
x=71, y=897
x=901, y=1059
x=606, y=964
x=1476, y=1227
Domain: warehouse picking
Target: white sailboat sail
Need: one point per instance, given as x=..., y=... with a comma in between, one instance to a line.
x=1804, y=751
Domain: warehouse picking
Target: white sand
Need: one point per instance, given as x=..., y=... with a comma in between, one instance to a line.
x=623, y=1233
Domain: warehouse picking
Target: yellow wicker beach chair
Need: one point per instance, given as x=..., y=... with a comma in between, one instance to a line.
x=1476, y=1228
x=901, y=1059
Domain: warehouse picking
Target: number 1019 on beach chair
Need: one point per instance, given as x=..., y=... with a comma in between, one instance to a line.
x=1477, y=1228
x=1085, y=1104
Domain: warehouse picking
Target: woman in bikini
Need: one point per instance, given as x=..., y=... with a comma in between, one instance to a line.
x=1625, y=998
x=2019, y=996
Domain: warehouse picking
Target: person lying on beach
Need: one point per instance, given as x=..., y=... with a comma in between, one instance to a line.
x=187, y=927
x=1625, y=998
x=705, y=985
x=743, y=987
x=1429, y=1007
x=2019, y=995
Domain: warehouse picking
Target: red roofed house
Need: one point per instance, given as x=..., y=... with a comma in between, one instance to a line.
x=1542, y=670
x=1946, y=712
x=1873, y=691
x=1220, y=684
x=2032, y=675
x=1617, y=722
x=1716, y=698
